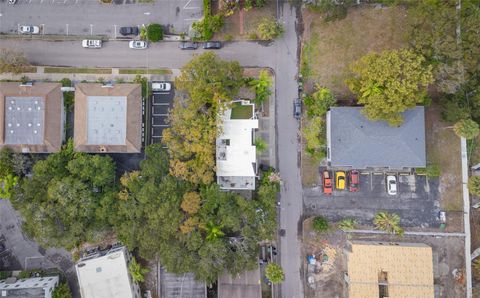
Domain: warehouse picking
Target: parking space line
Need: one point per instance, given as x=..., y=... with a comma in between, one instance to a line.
x=371, y=182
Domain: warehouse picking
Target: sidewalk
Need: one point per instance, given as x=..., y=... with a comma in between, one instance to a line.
x=42, y=76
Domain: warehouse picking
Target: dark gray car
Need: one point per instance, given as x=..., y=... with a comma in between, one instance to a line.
x=212, y=45
x=188, y=45
x=129, y=31
x=297, y=108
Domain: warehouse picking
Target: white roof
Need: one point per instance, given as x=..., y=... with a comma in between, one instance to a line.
x=105, y=276
x=106, y=120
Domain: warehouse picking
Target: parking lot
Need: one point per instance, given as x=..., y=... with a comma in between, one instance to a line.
x=90, y=17
x=416, y=201
x=161, y=103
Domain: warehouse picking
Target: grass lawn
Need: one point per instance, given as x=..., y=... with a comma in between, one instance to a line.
x=240, y=111
x=443, y=148
x=78, y=70
x=29, y=69
x=144, y=71
x=329, y=48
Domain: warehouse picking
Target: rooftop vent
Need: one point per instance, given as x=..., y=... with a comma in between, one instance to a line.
x=103, y=149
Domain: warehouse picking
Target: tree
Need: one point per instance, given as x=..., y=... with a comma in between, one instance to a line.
x=62, y=291
x=332, y=9
x=274, y=273
x=474, y=185
x=319, y=102
x=476, y=269
x=209, y=84
x=12, y=61
x=7, y=184
x=261, y=86
x=154, y=32
x=314, y=136
x=260, y=145
x=6, y=165
x=137, y=271
x=269, y=28
x=347, y=224
x=68, y=199
x=222, y=234
x=389, y=83
x=191, y=202
x=466, y=128
x=388, y=222
x=320, y=224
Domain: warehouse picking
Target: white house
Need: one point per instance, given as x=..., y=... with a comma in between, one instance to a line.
x=236, y=155
x=29, y=287
x=104, y=274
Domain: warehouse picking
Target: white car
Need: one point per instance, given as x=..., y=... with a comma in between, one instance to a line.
x=161, y=86
x=392, y=185
x=137, y=44
x=29, y=29
x=92, y=43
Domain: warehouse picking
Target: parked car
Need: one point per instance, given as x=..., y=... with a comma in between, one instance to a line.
x=340, y=180
x=212, y=45
x=92, y=43
x=129, y=31
x=297, y=108
x=391, y=185
x=327, y=183
x=161, y=86
x=29, y=29
x=188, y=45
x=137, y=44
x=354, y=180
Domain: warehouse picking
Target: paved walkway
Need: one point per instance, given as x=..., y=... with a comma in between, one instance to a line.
x=466, y=218
x=410, y=233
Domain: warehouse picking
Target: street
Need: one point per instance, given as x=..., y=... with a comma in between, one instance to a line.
x=280, y=55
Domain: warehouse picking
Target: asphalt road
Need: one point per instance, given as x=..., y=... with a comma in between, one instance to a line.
x=89, y=17
x=280, y=55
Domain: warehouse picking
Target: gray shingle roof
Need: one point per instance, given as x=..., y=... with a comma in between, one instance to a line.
x=354, y=141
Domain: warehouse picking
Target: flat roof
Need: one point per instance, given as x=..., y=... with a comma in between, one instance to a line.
x=104, y=276
x=106, y=120
x=236, y=152
x=406, y=269
x=354, y=141
x=24, y=120
x=246, y=284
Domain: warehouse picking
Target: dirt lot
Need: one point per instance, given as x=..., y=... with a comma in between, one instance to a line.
x=241, y=23
x=447, y=256
x=335, y=45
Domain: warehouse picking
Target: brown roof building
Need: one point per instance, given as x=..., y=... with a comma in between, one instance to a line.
x=390, y=270
x=108, y=118
x=31, y=117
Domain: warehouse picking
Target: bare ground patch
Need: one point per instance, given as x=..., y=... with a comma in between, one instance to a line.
x=337, y=44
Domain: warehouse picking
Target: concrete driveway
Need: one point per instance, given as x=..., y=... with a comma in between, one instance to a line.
x=417, y=201
x=90, y=17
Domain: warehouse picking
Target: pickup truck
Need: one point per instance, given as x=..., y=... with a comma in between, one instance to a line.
x=91, y=43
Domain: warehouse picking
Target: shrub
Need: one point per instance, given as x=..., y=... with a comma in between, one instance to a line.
x=66, y=82
x=347, y=224
x=62, y=291
x=319, y=102
x=261, y=145
x=332, y=9
x=143, y=33
x=274, y=273
x=320, y=224
x=228, y=37
x=252, y=36
x=154, y=32
x=269, y=28
x=474, y=185
x=207, y=26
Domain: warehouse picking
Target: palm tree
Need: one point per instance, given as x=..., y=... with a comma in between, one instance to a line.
x=388, y=222
x=137, y=271
x=213, y=231
x=347, y=224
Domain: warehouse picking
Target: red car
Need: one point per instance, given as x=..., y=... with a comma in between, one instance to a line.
x=354, y=180
x=327, y=183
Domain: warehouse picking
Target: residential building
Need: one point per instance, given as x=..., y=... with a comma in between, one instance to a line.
x=31, y=117
x=35, y=287
x=356, y=142
x=104, y=274
x=108, y=118
x=387, y=269
x=235, y=152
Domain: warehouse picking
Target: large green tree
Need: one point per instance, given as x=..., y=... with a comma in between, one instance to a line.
x=68, y=198
x=191, y=229
x=389, y=83
x=208, y=83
